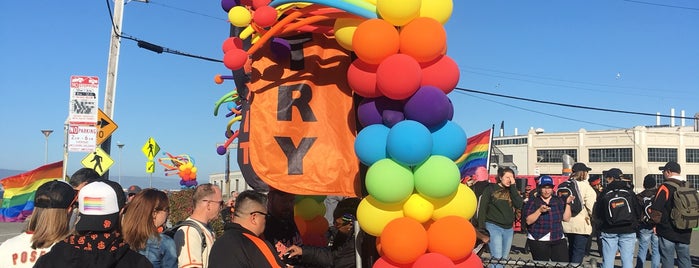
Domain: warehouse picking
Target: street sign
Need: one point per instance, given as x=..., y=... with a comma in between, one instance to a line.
x=81, y=138
x=150, y=149
x=83, y=100
x=105, y=126
x=98, y=160
x=150, y=166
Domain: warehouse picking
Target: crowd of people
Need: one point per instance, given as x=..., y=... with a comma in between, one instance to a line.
x=560, y=224
x=90, y=222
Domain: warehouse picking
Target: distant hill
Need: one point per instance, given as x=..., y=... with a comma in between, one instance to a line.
x=168, y=183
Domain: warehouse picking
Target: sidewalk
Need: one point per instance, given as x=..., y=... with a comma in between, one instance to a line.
x=594, y=259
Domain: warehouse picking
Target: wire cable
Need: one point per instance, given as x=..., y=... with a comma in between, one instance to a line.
x=150, y=46
x=186, y=10
x=662, y=5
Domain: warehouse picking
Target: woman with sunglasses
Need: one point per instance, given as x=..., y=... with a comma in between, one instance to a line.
x=47, y=225
x=143, y=215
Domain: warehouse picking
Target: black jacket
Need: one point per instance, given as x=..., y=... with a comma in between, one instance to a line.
x=64, y=254
x=340, y=255
x=662, y=205
x=234, y=249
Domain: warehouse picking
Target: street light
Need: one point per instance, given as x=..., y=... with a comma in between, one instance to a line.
x=46, y=132
x=120, y=145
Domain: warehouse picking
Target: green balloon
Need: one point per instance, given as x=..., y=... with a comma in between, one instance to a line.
x=389, y=182
x=437, y=177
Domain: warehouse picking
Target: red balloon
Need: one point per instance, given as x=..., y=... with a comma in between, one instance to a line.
x=232, y=43
x=429, y=260
x=260, y=3
x=471, y=261
x=442, y=73
x=235, y=59
x=398, y=76
x=265, y=16
x=384, y=262
x=361, y=78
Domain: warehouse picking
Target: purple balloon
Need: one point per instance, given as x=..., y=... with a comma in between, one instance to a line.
x=429, y=106
x=380, y=111
x=221, y=150
x=281, y=49
x=450, y=115
x=228, y=4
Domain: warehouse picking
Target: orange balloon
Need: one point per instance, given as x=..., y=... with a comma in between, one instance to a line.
x=374, y=40
x=423, y=39
x=403, y=240
x=452, y=236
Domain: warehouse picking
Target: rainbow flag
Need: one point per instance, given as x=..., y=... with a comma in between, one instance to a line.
x=18, y=199
x=476, y=154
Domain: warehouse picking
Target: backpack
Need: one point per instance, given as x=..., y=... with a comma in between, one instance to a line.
x=685, y=208
x=646, y=203
x=567, y=188
x=172, y=230
x=618, y=209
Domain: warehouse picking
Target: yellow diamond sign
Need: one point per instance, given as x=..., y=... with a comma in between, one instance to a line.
x=150, y=149
x=98, y=160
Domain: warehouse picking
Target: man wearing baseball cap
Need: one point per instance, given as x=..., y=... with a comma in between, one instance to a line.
x=670, y=239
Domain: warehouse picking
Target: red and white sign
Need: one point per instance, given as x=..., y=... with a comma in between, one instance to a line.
x=83, y=100
x=82, y=138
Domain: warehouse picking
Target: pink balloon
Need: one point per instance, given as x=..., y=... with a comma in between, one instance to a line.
x=384, y=262
x=361, y=77
x=429, y=260
x=471, y=261
x=442, y=73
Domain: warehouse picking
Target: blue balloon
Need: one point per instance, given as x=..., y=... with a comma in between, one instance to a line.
x=449, y=140
x=370, y=144
x=409, y=142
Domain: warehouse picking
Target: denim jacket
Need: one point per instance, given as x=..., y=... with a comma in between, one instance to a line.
x=161, y=252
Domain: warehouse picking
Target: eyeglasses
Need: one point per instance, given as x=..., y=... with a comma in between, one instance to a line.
x=220, y=203
x=260, y=212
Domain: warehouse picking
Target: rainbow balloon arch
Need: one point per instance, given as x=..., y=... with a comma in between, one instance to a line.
x=416, y=207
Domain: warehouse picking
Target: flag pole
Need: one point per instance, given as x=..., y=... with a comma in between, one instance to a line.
x=490, y=148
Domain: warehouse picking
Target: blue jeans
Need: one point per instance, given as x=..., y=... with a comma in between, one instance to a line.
x=500, y=241
x=625, y=243
x=667, y=254
x=577, y=245
x=646, y=236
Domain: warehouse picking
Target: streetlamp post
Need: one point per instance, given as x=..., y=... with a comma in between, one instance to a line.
x=46, y=132
x=120, y=145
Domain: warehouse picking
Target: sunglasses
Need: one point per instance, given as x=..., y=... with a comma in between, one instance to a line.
x=262, y=213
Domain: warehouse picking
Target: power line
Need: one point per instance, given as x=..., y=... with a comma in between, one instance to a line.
x=150, y=46
x=186, y=10
x=568, y=105
x=662, y=5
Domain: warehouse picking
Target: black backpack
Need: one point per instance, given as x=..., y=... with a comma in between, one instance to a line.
x=618, y=207
x=646, y=202
x=568, y=188
x=172, y=230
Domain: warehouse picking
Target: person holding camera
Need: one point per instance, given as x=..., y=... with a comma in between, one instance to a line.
x=544, y=214
x=340, y=252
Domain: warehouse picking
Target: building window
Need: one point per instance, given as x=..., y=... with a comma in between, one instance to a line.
x=662, y=154
x=693, y=181
x=611, y=155
x=554, y=155
x=692, y=155
x=513, y=141
x=507, y=158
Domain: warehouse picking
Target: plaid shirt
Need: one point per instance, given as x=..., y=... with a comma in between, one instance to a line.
x=547, y=222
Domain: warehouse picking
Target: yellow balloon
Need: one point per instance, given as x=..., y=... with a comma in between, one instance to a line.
x=182, y=167
x=463, y=203
x=306, y=208
x=439, y=10
x=344, y=30
x=194, y=169
x=418, y=208
x=398, y=12
x=373, y=215
x=239, y=16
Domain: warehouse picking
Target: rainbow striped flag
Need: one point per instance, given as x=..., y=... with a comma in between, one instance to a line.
x=476, y=154
x=18, y=199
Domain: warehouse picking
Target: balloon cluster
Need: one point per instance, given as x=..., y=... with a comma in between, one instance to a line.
x=309, y=217
x=233, y=105
x=183, y=166
x=416, y=206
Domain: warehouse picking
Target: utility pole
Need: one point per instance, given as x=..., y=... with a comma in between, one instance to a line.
x=112, y=69
x=46, y=132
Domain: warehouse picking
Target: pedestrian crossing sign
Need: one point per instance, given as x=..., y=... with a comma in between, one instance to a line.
x=150, y=148
x=98, y=160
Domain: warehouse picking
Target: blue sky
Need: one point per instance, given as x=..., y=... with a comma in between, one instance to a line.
x=612, y=54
